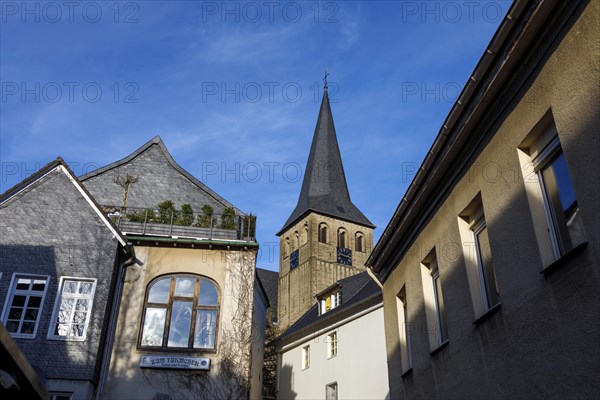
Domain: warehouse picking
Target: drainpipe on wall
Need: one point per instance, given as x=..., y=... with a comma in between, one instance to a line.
x=372, y=275
x=112, y=324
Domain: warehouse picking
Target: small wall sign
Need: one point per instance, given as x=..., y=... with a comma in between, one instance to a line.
x=175, y=362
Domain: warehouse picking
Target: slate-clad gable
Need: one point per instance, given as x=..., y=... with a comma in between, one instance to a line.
x=49, y=228
x=160, y=179
x=324, y=189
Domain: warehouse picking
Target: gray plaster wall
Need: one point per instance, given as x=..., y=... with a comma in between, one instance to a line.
x=50, y=229
x=158, y=181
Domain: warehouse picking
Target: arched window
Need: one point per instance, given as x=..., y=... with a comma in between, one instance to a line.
x=341, y=237
x=287, y=247
x=297, y=238
x=323, y=233
x=359, y=242
x=180, y=312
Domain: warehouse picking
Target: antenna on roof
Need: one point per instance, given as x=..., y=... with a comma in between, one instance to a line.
x=325, y=79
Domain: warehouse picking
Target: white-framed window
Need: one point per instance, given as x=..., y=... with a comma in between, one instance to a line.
x=555, y=212
x=72, y=309
x=24, y=304
x=331, y=391
x=434, y=301
x=404, y=330
x=478, y=257
x=306, y=357
x=332, y=344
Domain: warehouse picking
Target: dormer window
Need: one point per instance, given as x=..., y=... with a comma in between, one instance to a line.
x=330, y=301
x=342, y=237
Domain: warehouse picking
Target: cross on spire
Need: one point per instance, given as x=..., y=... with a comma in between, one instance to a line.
x=325, y=79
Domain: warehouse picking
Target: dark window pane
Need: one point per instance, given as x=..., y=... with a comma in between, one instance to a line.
x=27, y=327
x=38, y=285
x=23, y=283
x=15, y=313
x=19, y=301
x=34, y=301
x=31, y=314
x=12, y=326
x=565, y=188
x=179, y=329
x=209, y=296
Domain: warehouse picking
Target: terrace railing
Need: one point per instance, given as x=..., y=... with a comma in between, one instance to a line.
x=182, y=224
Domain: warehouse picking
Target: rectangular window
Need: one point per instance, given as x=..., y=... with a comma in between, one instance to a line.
x=72, y=310
x=550, y=193
x=404, y=331
x=24, y=304
x=478, y=257
x=434, y=301
x=560, y=203
x=306, y=357
x=332, y=345
x=331, y=391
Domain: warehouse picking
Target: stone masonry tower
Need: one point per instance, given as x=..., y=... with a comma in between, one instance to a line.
x=326, y=238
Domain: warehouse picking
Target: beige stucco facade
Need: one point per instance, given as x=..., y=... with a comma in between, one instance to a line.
x=233, y=271
x=317, y=264
x=358, y=369
x=543, y=341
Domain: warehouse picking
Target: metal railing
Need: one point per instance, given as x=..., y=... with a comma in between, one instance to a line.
x=183, y=224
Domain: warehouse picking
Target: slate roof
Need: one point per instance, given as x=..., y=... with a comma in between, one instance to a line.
x=60, y=165
x=270, y=282
x=355, y=290
x=324, y=189
x=160, y=179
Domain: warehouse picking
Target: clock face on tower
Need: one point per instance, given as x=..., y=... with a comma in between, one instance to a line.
x=294, y=259
x=344, y=256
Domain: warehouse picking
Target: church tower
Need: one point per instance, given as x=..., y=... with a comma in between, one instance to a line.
x=326, y=238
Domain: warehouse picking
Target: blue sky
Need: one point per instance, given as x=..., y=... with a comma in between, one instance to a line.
x=233, y=89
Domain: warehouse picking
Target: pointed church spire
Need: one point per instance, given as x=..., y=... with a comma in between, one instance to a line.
x=324, y=189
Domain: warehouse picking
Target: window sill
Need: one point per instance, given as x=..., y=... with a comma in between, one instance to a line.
x=66, y=339
x=565, y=258
x=488, y=314
x=333, y=356
x=175, y=350
x=440, y=347
x=406, y=373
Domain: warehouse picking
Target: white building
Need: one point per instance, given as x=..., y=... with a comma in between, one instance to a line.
x=337, y=349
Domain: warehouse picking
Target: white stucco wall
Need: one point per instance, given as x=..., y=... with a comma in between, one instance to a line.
x=360, y=367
